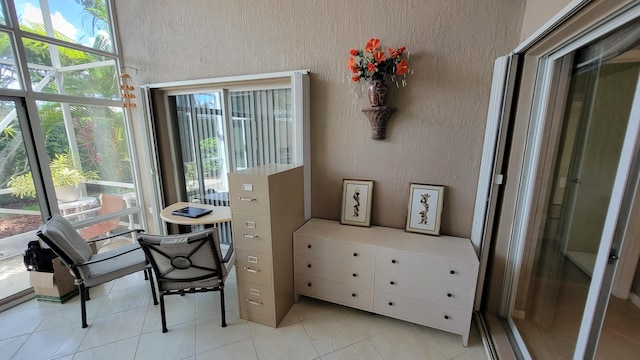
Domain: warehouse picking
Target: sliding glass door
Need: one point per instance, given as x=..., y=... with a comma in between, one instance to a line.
x=576, y=207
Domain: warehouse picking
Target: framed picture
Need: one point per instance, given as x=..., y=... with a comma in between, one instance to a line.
x=425, y=208
x=356, y=202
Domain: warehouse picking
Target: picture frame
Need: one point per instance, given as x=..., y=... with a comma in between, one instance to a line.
x=356, y=202
x=424, y=208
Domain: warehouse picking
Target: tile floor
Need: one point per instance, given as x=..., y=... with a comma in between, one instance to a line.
x=124, y=324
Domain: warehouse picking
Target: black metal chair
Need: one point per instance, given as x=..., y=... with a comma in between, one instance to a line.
x=186, y=263
x=88, y=268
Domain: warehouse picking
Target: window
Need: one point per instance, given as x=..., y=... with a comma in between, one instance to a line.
x=234, y=124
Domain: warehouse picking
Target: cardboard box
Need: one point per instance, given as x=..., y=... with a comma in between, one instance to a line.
x=57, y=286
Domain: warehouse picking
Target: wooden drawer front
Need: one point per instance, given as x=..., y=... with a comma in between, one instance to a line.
x=331, y=250
x=257, y=299
x=249, y=196
x=425, y=278
x=353, y=296
x=252, y=233
x=357, y=273
x=424, y=313
x=254, y=267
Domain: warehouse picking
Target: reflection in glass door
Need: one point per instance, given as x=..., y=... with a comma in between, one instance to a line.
x=20, y=215
x=573, y=202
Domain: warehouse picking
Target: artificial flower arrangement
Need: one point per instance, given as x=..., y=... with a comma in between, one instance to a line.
x=373, y=64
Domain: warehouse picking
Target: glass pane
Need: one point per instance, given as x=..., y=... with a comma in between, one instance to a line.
x=3, y=20
x=89, y=157
x=202, y=144
x=86, y=23
x=9, y=76
x=19, y=211
x=560, y=257
x=61, y=70
x=262, y=127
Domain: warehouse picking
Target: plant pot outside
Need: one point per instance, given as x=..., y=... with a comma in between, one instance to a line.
x=68, y=193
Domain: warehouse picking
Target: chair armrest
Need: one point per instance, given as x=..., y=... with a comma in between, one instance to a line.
x=119, y=233
x=104, y=259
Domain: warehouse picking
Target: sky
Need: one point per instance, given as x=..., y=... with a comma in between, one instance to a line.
x=66, y=15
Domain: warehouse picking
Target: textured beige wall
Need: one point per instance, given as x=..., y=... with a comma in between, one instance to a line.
x=538, y=12
x=436, y=135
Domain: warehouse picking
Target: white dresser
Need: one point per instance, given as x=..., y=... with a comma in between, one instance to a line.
x=267, y=205
x=429, y=280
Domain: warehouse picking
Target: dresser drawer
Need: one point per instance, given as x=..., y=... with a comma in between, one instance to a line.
x=332, y=250
x=425, y=278
x=250, y=195
x=254, y=267
x=355, y=273
x=252, y=233
x=256, y=298
x=348, y=295
x=425, y=313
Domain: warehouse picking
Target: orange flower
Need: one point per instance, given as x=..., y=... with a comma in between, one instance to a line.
x=372, y=45
x=379, y=56
x=351, y=65
x=354, y=52
x=402, y=67
x=371, y=67
x=355, y=78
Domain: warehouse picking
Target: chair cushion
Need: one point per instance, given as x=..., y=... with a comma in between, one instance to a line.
x=104, y=271
x=63, y=235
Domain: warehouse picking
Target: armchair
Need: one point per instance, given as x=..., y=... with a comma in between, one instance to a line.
x=186, y=263
x=91, y=269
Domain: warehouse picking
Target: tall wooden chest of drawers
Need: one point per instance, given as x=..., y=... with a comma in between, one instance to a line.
x=423, y=279
x=267, y=205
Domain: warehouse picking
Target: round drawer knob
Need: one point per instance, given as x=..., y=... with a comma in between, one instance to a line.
x=390, y=303
x=354, y=275
x=355, y=254
x=309, y=246
x=449, y=295
x=394, y=261
x=446, y=317
x=392, y=282
x=309, y=266
x=452, y=272
x=354, y=295
x=309, y=284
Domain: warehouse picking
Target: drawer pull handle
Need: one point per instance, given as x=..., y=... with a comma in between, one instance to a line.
x=449, y=295
x=355, y=254
x=252, y=302
x=309, y=266
x=446, y=317
x=354, y=295
x=249, y=236
x=452, y=272
x=390, y=303
x=354, y=275
x=309, y=246
x=244, y=198
x=392, y=282
x=309, y=284
x=251, y=270
x=394, y=261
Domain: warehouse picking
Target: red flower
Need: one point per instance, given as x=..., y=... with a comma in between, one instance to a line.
x=354, y=52
x=355, y=78
x=402, y=67
x=372, y=45
x=379, y=56
x=371, y=67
